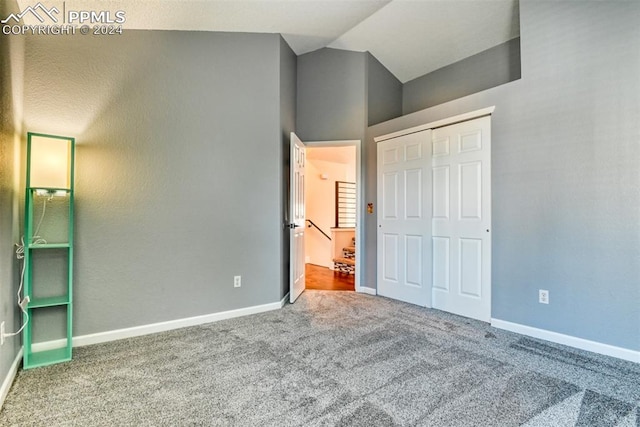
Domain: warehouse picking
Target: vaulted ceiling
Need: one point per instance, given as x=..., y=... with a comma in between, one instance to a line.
x=410, y=37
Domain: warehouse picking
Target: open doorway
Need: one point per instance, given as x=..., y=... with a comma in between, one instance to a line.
x=331, y=183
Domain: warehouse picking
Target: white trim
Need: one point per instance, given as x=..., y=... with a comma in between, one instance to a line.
x=49, y=345
x=438, y=123
x=136, y=331
x=284, y=300
x=366, y=290
x=571, y=341
x=11, y=375
x=360, y=247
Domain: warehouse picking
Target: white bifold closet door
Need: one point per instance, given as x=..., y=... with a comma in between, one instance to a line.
x=461, y=228
x=434, y=218
x=404, y=218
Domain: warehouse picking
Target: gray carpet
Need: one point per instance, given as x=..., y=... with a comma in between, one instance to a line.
x=332, y=359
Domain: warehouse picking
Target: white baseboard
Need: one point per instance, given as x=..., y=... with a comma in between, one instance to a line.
x=153, y=328
x=366, y=290
x=284, y=300
x=11, y=375
x=571, y=341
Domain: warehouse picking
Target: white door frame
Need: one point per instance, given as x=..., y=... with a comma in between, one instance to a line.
x=360, y=249
x=432, y=125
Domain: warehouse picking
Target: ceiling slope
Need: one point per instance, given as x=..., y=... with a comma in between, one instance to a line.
x=410, y=37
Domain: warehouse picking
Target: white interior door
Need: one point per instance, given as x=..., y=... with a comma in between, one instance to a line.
x=296, y=218
x=404, y=218
x=461, y=173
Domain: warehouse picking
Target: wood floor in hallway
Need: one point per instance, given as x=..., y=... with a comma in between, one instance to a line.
x=322, y=278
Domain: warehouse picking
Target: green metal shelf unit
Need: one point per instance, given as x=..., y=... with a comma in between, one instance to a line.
x=48, y=151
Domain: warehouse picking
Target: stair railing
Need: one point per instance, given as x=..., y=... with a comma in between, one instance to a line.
x=313, y=224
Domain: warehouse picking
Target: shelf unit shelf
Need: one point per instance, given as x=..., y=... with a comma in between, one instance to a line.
x=51, y=190
x=60, y=194
x=49, y=246
x=49, y=357
x=49, y=302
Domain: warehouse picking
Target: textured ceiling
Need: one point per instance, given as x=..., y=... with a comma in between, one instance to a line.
x=410, y=37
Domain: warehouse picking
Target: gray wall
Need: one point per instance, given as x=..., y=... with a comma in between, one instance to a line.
x=9, y=216
x=565, y=172
x=384, y=93
x=331, y=99
x=178, y=178
x=288, y=83
x=487, y=69
x=339, y=93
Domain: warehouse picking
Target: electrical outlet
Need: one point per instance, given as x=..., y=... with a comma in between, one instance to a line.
x=237, y=281
x=25, y=301
x=543, y=296
x=2, y=333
